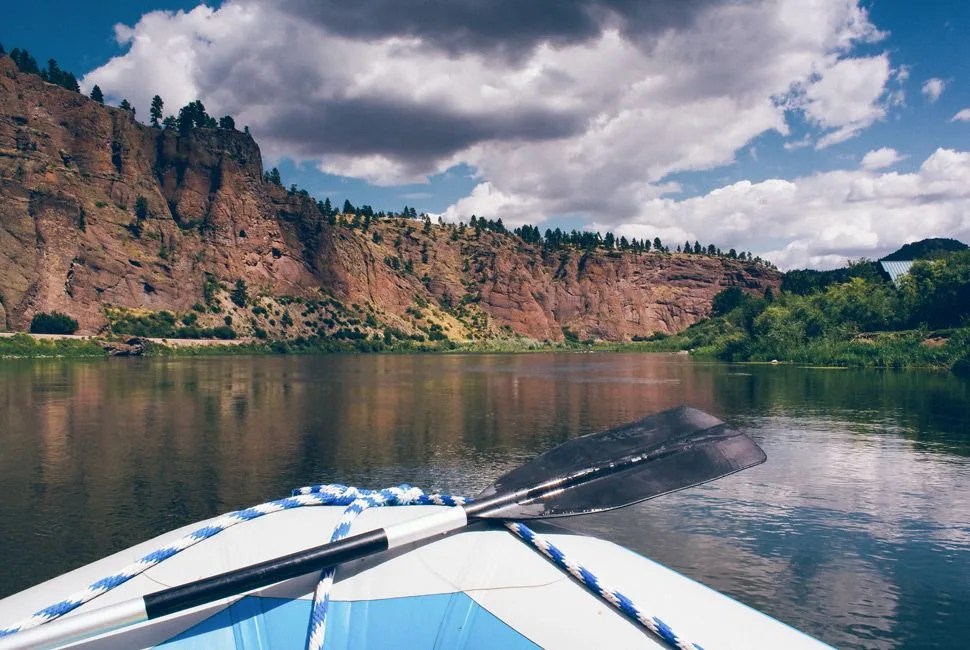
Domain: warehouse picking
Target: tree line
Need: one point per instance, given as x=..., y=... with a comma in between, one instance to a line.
x=860, y=318
x=51, y=74
x=191, y=116
x=553, y=239
x=590, y=240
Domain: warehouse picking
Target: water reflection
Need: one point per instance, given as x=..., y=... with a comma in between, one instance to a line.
x=856, y=530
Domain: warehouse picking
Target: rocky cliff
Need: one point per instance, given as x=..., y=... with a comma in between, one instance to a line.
x=101, y=215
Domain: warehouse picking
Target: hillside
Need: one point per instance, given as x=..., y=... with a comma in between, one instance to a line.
x=114, y=222
x=925, y=249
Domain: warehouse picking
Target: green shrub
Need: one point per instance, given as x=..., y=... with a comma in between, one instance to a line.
x=210, y=288
x=52, y=323
x=238, y=295
x=160, y=324
x=223, y=332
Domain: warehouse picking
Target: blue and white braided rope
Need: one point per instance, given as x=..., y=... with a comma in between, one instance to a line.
x=337, y=494
x=606, y=593
x=357, y=501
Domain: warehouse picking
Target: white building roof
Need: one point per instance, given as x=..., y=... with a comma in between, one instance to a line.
x=896, y=270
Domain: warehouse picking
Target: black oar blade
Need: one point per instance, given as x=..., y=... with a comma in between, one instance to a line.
x=662, y=453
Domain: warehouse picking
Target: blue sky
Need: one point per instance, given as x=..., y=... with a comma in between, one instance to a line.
x=809, y=138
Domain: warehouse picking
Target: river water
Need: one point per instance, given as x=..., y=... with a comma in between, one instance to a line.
x=856, y=530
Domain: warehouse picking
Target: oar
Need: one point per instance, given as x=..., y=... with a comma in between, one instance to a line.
x=661, y=453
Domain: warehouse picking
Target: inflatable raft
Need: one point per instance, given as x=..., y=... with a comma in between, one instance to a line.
x=480, y=587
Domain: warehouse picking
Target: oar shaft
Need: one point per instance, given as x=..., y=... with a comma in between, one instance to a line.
x=207, y=590
x=74, y=628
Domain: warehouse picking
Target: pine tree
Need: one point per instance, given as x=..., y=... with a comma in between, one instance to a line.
x=226, y=122
x=141, y=208
x=193, y=115
x=155, y=113
x=97, y=95
x=238, y=294
x=25, y=62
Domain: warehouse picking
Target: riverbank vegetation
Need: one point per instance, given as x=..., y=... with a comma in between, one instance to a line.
x=858, y=319
x=25, y=345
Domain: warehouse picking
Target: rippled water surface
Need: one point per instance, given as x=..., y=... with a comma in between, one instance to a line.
x=856, y=530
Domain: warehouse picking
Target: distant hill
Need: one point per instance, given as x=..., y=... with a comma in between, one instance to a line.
x=925, y=249
x=806, y=281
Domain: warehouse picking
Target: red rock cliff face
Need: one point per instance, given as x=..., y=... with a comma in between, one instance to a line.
x=71, y=239
x=71, y=172
x=536, y=293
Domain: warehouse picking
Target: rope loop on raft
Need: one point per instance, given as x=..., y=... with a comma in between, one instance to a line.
x=355, y=500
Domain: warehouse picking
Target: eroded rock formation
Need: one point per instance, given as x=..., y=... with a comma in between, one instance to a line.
x=76, y=238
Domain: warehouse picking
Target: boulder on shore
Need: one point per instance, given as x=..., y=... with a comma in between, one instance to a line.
x=133, y=347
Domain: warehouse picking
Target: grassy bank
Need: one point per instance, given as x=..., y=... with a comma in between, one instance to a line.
x=315, y=345
x=712, y=338
x=25, y=346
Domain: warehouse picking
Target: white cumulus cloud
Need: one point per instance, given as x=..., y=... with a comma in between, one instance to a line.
x=847, y=97
x=881, y=158
x=933, y=88
x=961, y=116
x=589, y=97
x=825, y=219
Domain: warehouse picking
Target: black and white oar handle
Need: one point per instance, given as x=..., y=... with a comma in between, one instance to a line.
x=168, y=601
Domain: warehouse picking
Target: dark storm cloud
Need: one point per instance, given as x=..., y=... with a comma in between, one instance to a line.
x=408, y=131
x=313, y=118
x=507, y=27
